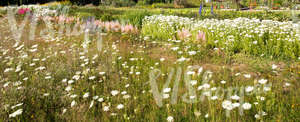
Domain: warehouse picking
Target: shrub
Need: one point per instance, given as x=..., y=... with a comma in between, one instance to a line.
x=84, y=14
x=84, y=2
x=122, y=3
x=141, y=3
x=162, y=5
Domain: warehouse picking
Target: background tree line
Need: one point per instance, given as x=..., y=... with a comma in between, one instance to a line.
x=24, y=2
x=94, y=2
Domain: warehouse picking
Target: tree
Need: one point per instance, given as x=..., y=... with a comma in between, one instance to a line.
x=238, y=4
x=180, y=2
x=23, y=2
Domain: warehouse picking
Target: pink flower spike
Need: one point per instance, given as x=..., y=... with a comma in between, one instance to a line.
x=201, y=36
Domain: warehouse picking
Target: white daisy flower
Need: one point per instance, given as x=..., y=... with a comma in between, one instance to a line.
x=86, y=95
x=95, y=97
x=114, y=92
x=71, y=81
x=170, y=119
x=120, y=106
x=249, y=88
x=235, y=105
x=192, y=52
x=267, y=88
x=246, y=106
x=166, y=90
x=100, y=99
x=101, y=73
x=235, y=97
x=223, y=81
x=92, y=77
x=262, y=81
x=92, y=103
x=73, y=96
x=64, y=80
x=247, y=75
x=73, y=103
x=16, y=113
x=193, y=82
x=106, y=108
x=206, y=86
x=68, y=88
x=226, y=104
x=274, y=66
x=165, y=96
x=126, y=96
x=214, y=97
x=206, y=116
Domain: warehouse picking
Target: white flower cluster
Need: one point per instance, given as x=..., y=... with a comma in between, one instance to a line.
x=248, y=34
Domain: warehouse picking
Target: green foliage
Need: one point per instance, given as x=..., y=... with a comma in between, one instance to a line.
x=84, y=14
x=84, y=2
x=162, y=5
x=245, y=2
x=278, y=2
x=270, y=15
x=141, y=3
x=2, y=13
x=135, y=17
x=122, y=3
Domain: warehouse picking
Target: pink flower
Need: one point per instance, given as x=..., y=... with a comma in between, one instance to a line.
x=61, y=18
x=112, y=26
x=97, y=22
x=201, y=36
x=183, y=34
x=128, y=29
x=27, y=9
x=70, y=20
x=107, y=26
x=115, y=26
x=23, y=10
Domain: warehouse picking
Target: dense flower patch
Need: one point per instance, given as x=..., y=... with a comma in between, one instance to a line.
x=250, y=36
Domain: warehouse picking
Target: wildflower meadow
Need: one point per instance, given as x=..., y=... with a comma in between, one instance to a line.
x=65, y=62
